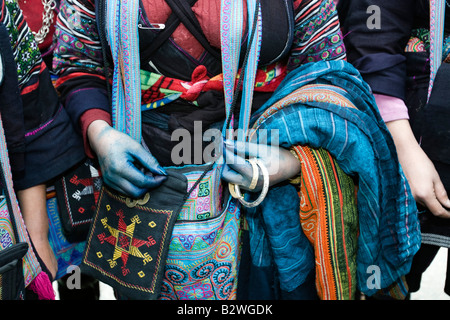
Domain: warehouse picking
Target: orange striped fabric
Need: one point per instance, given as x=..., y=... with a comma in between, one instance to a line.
x=329, y=219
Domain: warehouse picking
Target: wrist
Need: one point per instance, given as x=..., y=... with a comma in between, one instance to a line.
x=96, y=126
x=402, y=135
x=95, y=131
x=297, y=179
x=86, y=119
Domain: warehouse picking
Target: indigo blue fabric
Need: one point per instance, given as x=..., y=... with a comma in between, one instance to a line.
x=276, y=233
x=362, y=146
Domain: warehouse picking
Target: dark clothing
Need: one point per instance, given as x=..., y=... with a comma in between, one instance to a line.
x=82, y=72
x=41, y=142
x=421, y=262
x=379, y=54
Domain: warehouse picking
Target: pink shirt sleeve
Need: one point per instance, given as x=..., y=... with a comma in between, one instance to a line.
x=391, y=108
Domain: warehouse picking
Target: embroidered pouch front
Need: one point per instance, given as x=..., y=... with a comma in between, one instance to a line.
x=129, y=238
x=77, y=193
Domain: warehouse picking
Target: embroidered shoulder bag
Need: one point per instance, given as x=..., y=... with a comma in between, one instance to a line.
x=76, y=194
x=181, y=241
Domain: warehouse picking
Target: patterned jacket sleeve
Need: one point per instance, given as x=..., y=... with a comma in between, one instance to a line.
x=317, y=34
x=78, y=59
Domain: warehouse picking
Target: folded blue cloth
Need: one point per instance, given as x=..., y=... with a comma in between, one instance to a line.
x=363, y=147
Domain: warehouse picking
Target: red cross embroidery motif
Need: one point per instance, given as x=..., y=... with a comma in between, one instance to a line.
x=122, y=238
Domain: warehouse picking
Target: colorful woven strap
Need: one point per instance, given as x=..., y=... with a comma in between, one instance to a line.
x=31, y=266
x=437, y=15
x=124, y=42
x=250, y=71
x=126, y=91
x=231, y=34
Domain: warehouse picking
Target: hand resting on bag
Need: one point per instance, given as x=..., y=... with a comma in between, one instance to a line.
x=121, y=157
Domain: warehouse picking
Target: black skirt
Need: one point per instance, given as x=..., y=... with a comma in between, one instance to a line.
x=435, y=231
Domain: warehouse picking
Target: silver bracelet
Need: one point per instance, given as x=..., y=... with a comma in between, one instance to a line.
x=255, y=175
x=236, y=193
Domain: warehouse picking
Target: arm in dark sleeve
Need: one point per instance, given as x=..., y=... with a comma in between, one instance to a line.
x=78, y=60
x=378, y=53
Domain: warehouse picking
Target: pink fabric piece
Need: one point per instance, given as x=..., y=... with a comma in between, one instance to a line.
x=391, y=108
x=42, y=286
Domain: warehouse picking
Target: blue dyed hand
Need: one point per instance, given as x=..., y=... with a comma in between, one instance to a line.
x=126, y=166
x=280, y=163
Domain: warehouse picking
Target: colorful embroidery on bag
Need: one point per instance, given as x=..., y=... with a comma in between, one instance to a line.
x=6, y=228
x=77, y=194
x=129, y=238
x=119, y=241
x=205, y=200
x=67, y=254
x=204, y=258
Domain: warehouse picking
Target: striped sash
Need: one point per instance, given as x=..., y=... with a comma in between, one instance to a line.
x=126, y=91
x=31, y=267
x=437, y=15
x=231, y=34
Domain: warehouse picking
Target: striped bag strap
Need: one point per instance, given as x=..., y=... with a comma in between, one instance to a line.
x=124, y=43
x=31, y=266
x=122, y=21
x=437, y=15
x=231, y=34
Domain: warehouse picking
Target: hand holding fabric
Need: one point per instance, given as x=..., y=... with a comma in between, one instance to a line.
x=281, y=163
x=426, y=186
x=126, y=166
x=425, y=183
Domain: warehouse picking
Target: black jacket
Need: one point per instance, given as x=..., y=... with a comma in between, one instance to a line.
x=379, y=54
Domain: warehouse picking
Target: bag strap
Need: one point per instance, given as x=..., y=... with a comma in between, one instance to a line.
x=231, y=29
x=100, y=14
x=437, y=17
x=234, y=37
x=122, y=33
x=31, y=263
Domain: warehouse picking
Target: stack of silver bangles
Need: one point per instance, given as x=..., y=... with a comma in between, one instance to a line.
x=235, y=191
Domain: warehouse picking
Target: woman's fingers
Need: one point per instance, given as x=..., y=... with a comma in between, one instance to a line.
x=126, y=165
x=436, y=208
x=148, y=161
x=232, y=176
x=441, y=194
x=235, y=160
x=132, y=188
x=434, y=198
x=239, y=171
x=437, y=202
